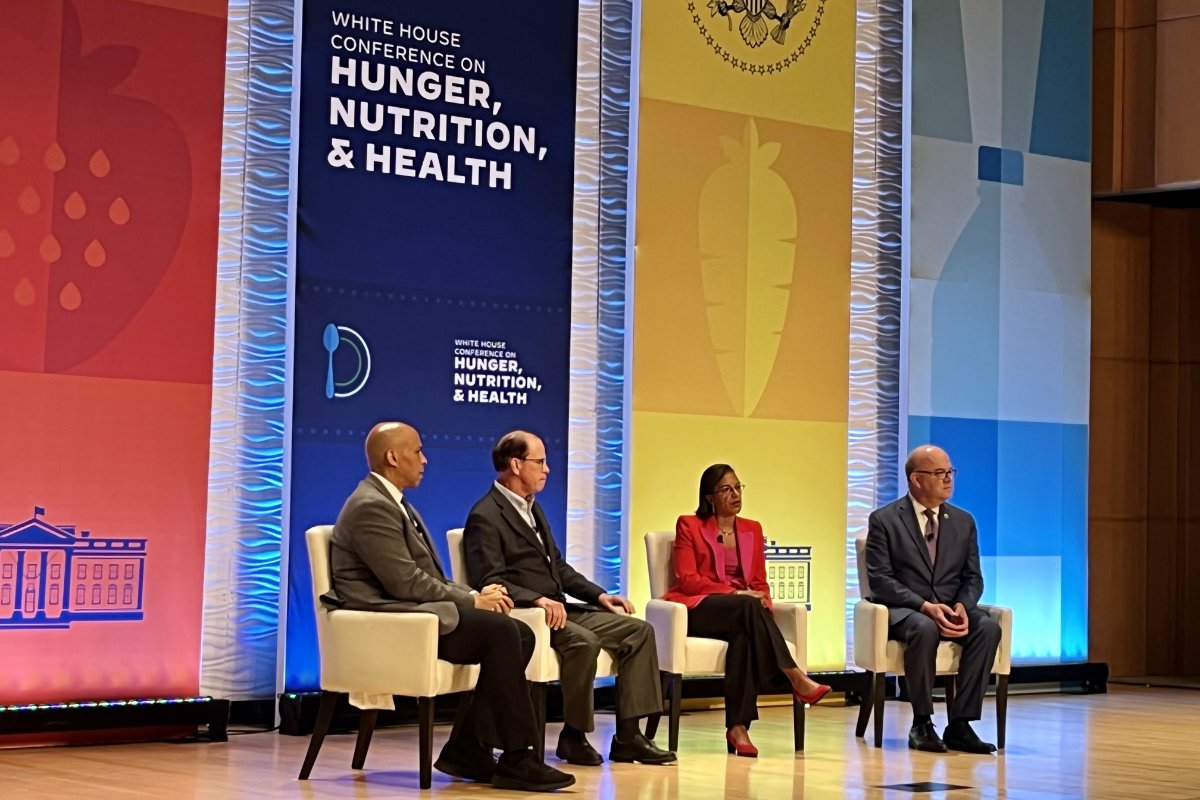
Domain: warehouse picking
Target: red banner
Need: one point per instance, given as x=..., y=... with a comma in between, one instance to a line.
x=110, y=145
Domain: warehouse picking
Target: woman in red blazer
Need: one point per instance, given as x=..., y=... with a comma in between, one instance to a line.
x=720, y=575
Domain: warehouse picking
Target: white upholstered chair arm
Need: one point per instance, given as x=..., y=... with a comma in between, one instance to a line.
x=669, y=621
x=1003, y=617
x=870, y=636
x=543, y=666
x=379, y=652
x=458, y=561
x=792, y=619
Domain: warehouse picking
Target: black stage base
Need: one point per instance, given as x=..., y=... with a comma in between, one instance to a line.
x=298, y=710
x=207, y=713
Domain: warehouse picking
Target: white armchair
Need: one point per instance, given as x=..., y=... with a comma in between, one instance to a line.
x=680, y=655
x=879, y=655
x=543, y=666
x=377, y=653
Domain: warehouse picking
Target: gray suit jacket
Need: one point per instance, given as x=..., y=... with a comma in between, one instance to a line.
x=382, y=562
x=899, y=571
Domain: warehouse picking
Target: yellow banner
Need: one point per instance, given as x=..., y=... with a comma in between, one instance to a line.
x=742, y=279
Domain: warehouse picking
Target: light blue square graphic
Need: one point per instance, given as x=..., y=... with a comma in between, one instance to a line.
x=1032, y=588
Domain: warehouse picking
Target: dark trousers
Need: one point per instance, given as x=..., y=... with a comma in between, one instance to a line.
x=501, y=713
x=630, y=641
x=921, y=637
x=757, y=652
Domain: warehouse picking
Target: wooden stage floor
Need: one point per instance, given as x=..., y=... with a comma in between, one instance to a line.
x=1131, y=743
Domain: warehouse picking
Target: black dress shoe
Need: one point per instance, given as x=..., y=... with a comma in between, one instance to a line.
x=959, y=736
x=523, y=771
x=638, y=748
x=470, y=761
x=577, y=750
x=923, y=736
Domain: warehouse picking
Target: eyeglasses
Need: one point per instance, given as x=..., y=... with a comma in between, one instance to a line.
x=940, y=474
x=541, y=462
x=725, y=491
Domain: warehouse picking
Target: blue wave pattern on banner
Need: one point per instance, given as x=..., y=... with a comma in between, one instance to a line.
x=614, y=278
x=431, y=266
x=244, y=543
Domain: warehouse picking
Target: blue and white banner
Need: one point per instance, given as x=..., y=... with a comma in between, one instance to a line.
x=433, y=253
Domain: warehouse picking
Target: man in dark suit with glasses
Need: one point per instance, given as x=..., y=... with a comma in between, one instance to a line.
x=507, y=541
x=923, y=564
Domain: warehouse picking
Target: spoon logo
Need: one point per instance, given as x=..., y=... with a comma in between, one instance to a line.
x=354, y=360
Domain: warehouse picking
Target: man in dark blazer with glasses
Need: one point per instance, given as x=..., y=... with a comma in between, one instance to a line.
x=923, y=564
x=507, y=541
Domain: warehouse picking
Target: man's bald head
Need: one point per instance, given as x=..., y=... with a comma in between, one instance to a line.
x=394, y=450
x=922, y=457
x=930, y=475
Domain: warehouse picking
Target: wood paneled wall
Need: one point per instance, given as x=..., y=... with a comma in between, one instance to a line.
x=1145, y=107
x=1144, y=507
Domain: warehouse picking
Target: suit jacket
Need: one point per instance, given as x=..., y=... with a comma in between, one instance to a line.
x=500, y=547
x=899, y=571
x=700, y=559
x=382, y=562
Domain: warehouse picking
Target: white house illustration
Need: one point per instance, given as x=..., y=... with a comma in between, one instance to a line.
x=52, y=575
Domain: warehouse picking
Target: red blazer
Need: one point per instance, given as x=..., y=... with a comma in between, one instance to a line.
x=700, y=560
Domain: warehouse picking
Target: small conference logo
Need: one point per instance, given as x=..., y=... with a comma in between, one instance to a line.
x=54, y=575
x=758, y=37
x=349, y=363
x=788, y=572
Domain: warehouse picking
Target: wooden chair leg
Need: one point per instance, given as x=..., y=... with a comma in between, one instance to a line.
x=951, y=690
x=798, y=725
x=537, y=693
x=366, y=726
x=864, y=709
x=653, y=720
x=324, y=720
x=1001, y=709
x=676, y=705
x=877, y=695
x=425, y=738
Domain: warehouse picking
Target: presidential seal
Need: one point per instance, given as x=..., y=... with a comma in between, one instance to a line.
x=758, y=37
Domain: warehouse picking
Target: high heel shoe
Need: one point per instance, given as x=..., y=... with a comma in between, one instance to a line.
x=744, y=750
x=813, y=697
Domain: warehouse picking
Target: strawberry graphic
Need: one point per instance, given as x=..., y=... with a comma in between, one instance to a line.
x=97, y=190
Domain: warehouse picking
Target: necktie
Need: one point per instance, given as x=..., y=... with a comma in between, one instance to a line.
x=931, y=529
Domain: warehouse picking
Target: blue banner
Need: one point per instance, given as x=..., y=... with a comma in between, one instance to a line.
x=433, y=254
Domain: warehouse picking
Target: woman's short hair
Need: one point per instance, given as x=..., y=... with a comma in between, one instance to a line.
x=708, y=484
